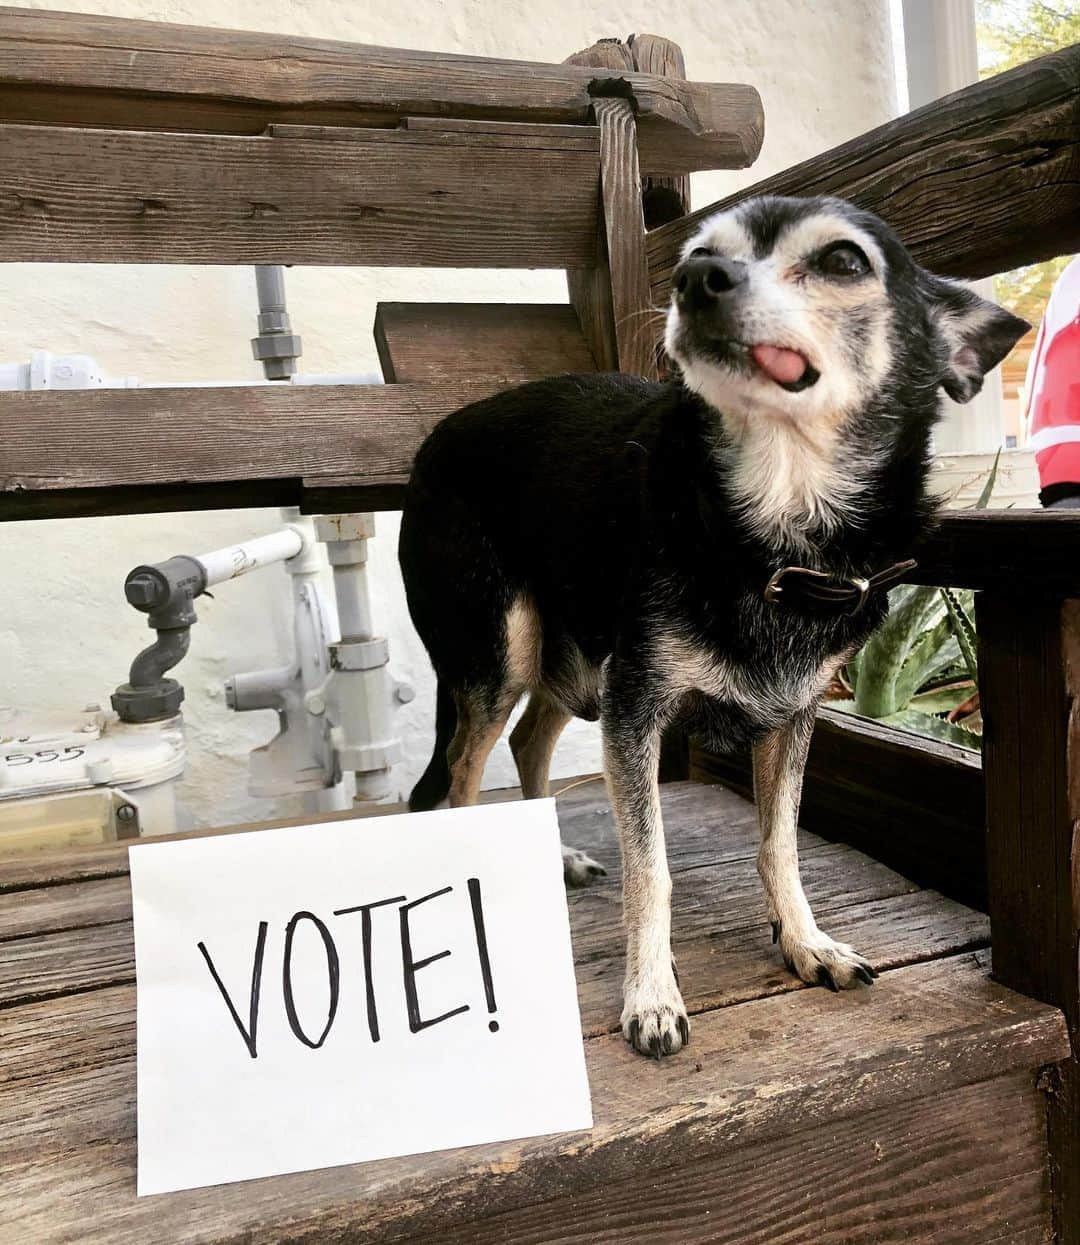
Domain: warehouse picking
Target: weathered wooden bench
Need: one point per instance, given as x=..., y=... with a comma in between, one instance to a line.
x=944, y=1105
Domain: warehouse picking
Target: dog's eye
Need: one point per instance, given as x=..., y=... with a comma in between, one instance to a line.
x=700, y=250
x=843, y=259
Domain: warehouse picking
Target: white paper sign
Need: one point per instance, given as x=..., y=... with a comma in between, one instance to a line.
x=326, y=994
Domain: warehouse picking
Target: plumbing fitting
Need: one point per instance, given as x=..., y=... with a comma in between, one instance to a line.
x=357, y=695
x=165, y=592
x=277, y=347
x=299, y=759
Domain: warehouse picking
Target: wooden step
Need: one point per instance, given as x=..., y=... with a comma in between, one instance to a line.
x=795, y=1114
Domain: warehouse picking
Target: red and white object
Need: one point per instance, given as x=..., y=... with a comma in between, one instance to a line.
x=1053, y=384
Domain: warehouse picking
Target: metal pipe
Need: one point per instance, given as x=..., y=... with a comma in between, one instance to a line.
x=166, y=592
x=270, y=285
x=351, y=594
x=277, y=347
x=168, y=650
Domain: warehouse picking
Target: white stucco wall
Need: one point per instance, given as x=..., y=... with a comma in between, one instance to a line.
x=825, y=72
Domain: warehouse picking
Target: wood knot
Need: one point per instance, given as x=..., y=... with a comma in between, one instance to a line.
x=151, y=207
x=31, y=205
x=259, y=210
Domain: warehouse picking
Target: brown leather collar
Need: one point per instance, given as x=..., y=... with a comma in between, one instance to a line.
x=793, y=585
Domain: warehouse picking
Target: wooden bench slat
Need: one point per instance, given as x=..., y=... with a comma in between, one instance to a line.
x=80, y=451
x=731, y=963
x=432, y=343
x=83, y=69
x=377, y=197
x=48, y=910
x=101, y=451
x=101, y=438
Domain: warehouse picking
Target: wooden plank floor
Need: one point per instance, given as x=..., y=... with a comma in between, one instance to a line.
x=767, y=1059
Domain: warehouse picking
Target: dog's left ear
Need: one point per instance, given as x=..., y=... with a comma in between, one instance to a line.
x=977, y=335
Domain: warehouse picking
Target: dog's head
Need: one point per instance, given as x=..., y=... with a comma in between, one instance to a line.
x=812, y=310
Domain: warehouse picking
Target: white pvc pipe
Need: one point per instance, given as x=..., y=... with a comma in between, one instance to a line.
x=236, y=560
x=353, y=604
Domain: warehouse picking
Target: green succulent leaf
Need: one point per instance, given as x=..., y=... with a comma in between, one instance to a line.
x=934, y=651
x=988, y=487
x=934, y=728
x=913, y=609
x=943, y=699
x=963, y=629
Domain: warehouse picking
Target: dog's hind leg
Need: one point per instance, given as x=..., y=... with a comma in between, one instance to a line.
x=485, y=703
x=779, y=761
x=532, y=742
x=480, y=720
x=654, y=1019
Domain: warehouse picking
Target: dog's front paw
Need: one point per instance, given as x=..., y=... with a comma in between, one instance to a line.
x=654, y=1019
x=820, y=961
x=579, y=869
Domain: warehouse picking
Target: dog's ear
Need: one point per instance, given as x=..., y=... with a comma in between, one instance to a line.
x=977, y=335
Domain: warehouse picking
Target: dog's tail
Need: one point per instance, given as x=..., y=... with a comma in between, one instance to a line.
x=434, y=784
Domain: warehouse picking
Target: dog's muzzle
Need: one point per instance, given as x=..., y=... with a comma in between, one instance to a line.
x=847, y=594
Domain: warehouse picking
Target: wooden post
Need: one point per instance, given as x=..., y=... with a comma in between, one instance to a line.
x=662, y=198
x=612, y=298
x=1029, y=681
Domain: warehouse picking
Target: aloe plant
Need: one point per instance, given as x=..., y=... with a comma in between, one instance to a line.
x=913, y=669
x=919, y=668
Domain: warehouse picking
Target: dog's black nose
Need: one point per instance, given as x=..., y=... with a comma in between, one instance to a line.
x=702, y=279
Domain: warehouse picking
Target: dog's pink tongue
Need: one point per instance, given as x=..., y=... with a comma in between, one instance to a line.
x=784, y=366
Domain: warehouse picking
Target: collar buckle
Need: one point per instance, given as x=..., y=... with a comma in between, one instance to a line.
x=862, y=586
x=847, y=594
x=774, y=589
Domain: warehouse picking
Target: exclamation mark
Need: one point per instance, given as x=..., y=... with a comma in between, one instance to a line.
x=482, y=949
